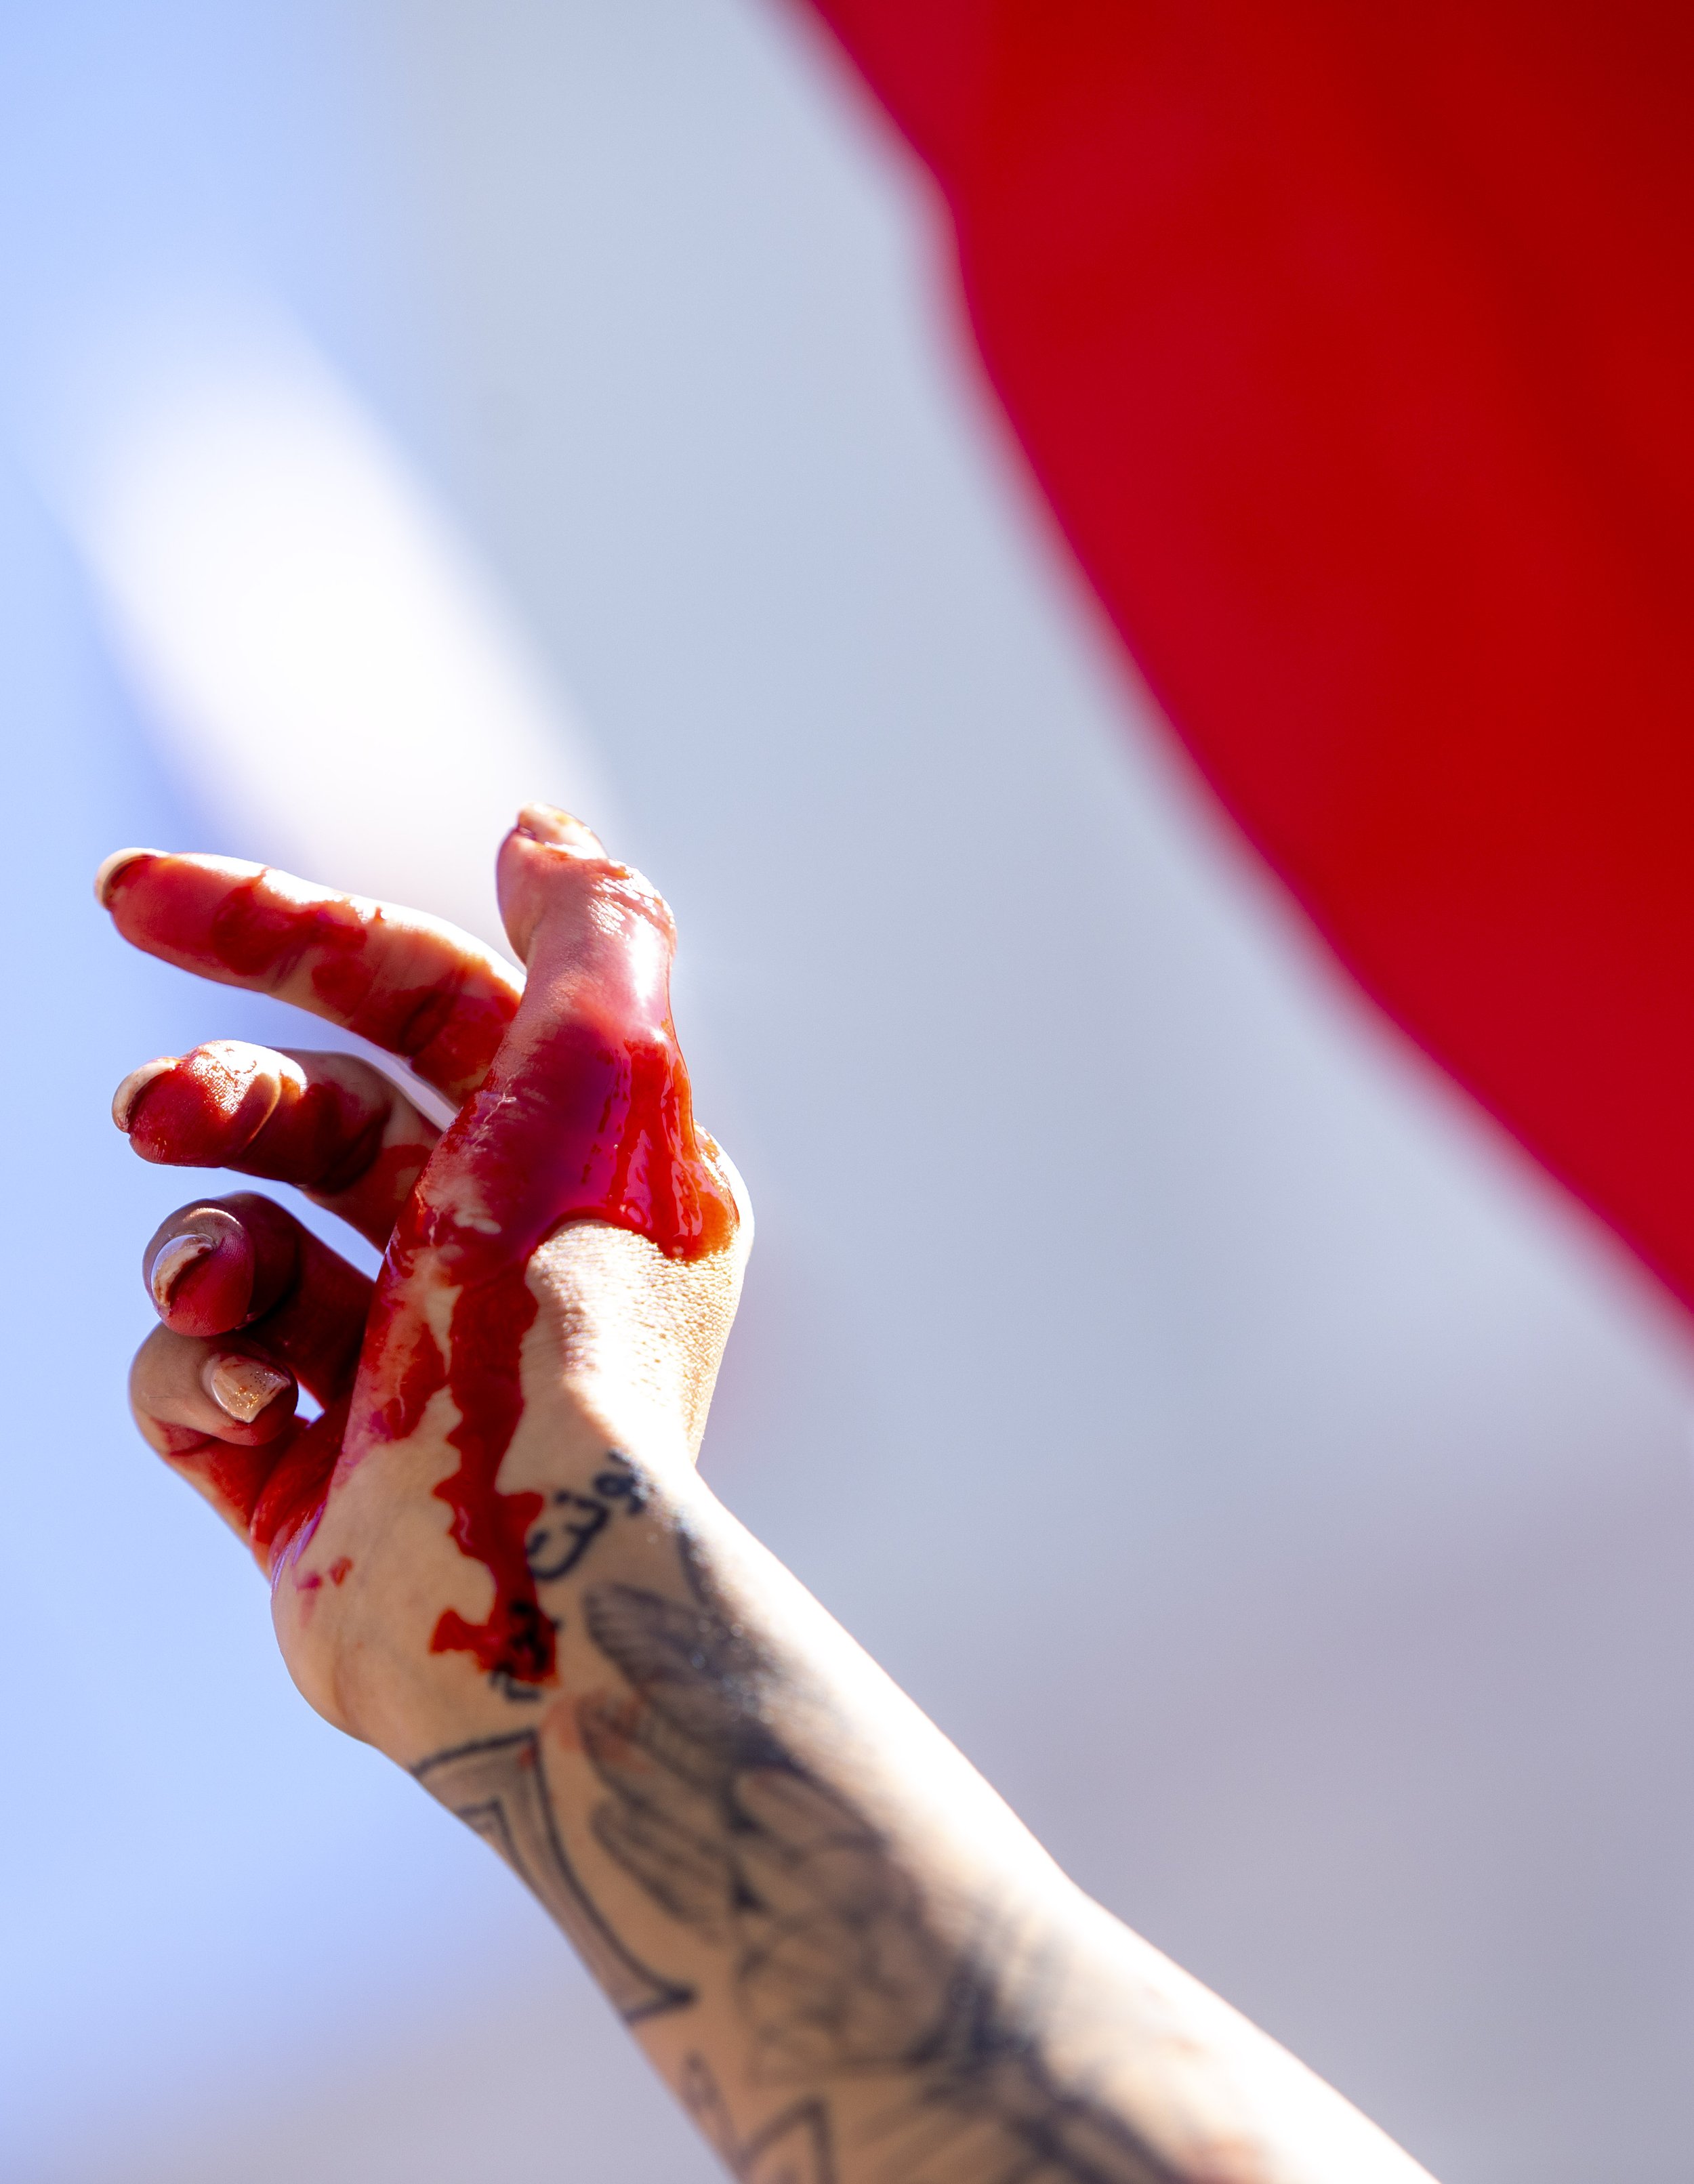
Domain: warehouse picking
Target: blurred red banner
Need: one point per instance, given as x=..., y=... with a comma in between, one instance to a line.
x=1353, y=346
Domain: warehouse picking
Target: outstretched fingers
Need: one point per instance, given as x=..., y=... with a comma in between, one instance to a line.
x=410, y=983
x=327, y=1123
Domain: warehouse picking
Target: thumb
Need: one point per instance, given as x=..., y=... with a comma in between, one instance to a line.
x=587, y=1113
x=527, y=873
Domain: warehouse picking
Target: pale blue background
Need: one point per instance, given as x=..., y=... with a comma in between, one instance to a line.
x=1280, y=1493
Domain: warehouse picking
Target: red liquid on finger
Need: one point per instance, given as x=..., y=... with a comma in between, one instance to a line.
x=584, y=1116
x=222, y=1107
x=249, y=932
x=590, y=1119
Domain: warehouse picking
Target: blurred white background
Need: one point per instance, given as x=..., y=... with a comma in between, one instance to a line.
x=411, y=405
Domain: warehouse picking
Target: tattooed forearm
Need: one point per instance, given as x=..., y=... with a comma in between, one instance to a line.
x=499, y=1787
x=843, y=1989
x=793, y=2147
x=834, y=1970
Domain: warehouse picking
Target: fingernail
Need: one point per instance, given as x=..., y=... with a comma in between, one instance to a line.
x=243, y=1386
x=124, y=1099
x=558, y=829
x=172, y=1261
x=109, y=869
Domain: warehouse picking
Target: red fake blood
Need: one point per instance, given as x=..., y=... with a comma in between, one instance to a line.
x=489, y=1323
x=591, y=1119
x=261, y=929
x=585, y=1114
x=222, y=1107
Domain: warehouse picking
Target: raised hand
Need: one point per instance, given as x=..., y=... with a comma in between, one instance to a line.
x=394, y=1526
x=490, y=1555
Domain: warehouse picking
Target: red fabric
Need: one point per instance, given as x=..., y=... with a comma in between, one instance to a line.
x=1353, y=344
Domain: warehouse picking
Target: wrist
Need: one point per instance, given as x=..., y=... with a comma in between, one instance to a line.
x=627, y=1341
x=383, y=1612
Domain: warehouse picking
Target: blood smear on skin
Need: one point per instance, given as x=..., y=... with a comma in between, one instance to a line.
x=591, y=1119
x=240, y=925
x=613, y=1140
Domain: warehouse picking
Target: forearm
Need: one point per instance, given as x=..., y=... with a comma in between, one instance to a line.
x=820, y=1922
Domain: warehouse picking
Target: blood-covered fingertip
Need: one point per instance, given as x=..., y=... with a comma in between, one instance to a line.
x=199, y=1272
x=213, y=1267
x=129, y=1092
x=106, y=879
x=202, y=1109
x=170, y=1262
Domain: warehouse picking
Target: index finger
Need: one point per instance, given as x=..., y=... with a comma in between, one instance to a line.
x=410, y=983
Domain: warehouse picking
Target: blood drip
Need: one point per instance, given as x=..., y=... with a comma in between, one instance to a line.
x=589, y=1119
x=593, y=1121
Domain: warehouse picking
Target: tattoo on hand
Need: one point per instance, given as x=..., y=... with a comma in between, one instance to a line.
x=573, y=1522
x=836, y=1970
x=507, y=1684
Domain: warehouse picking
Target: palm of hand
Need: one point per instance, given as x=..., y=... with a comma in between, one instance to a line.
x=562, y=1262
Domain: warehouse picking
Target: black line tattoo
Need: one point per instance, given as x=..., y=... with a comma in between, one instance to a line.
x=836, y=1970
x=507, y=1684
x=563, y=1534
x=498, y=1788
x=792, y=2148
x=622, y=1482
x=572, y=1522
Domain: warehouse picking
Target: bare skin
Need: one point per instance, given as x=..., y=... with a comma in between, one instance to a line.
x=843, y=1954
